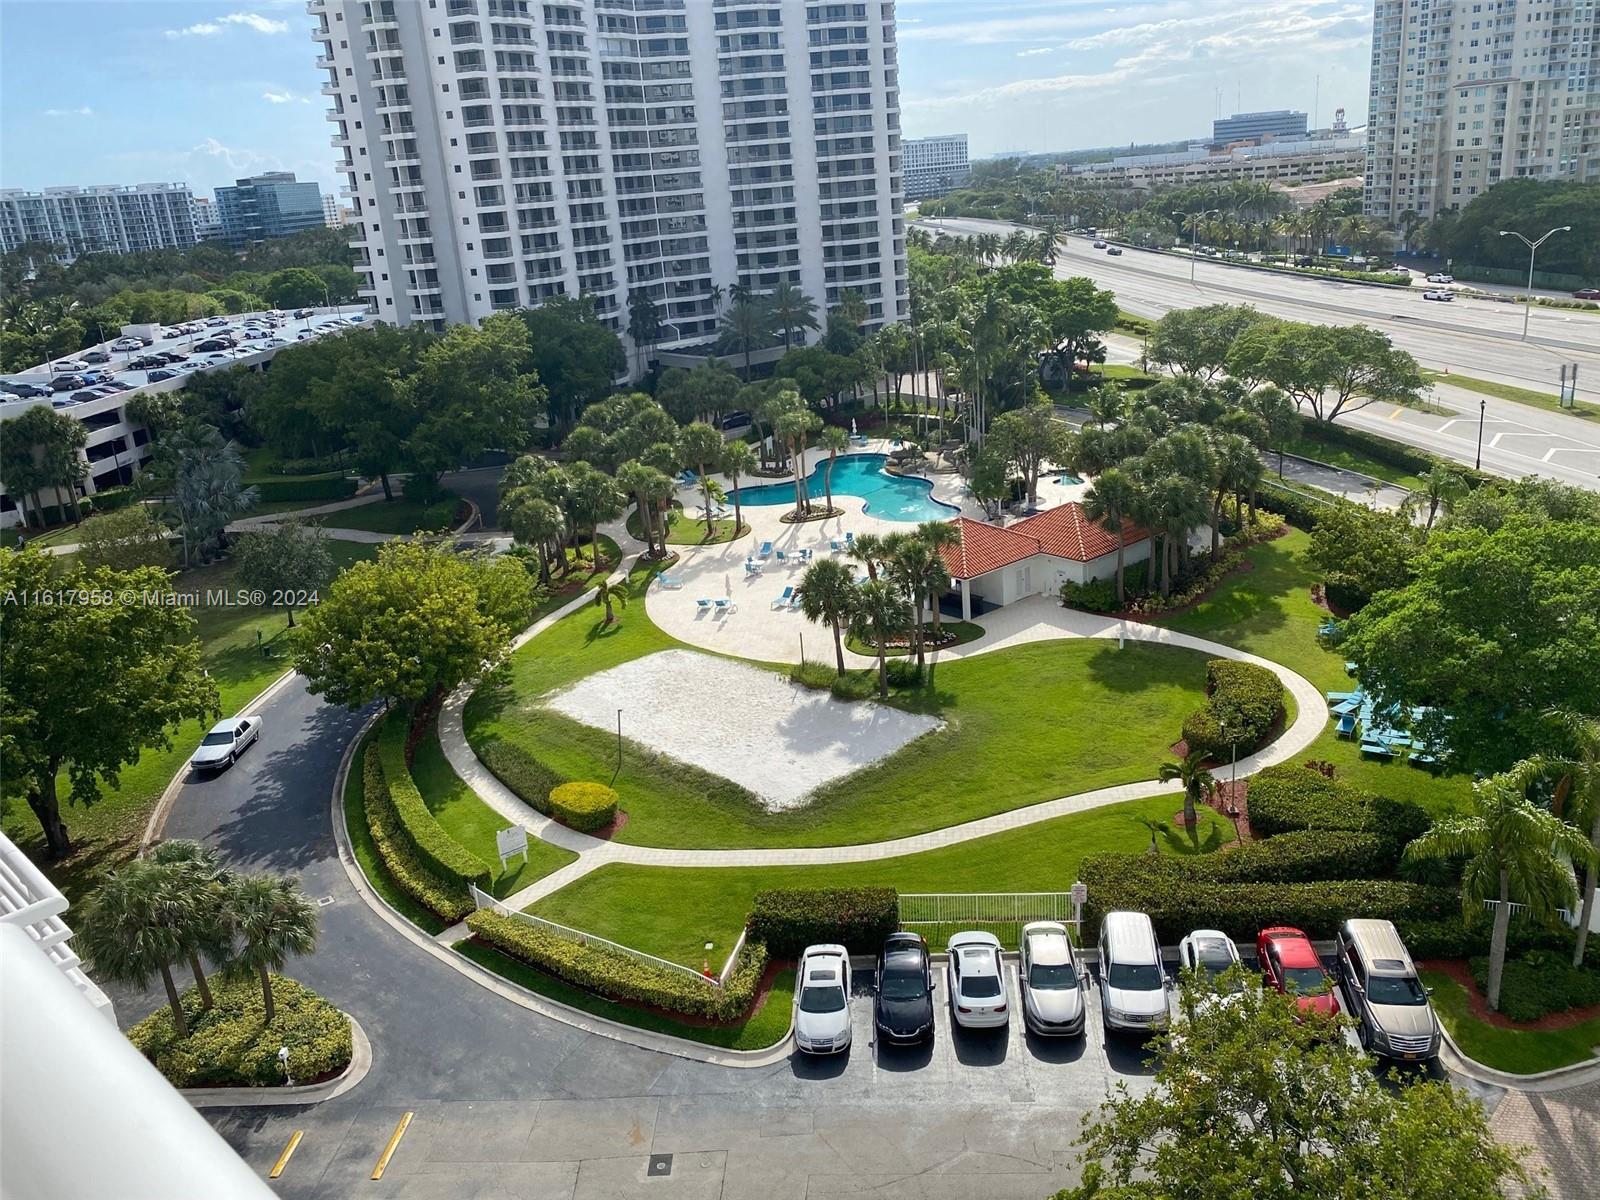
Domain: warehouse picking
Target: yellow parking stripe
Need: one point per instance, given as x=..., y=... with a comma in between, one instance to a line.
x=394, y=1141
x=288, y=1153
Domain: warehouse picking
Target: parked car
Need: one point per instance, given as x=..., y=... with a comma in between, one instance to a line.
x=822, y=1000
x=1114, y=251
x=1099, y=245
x=304, y=312
x=1052, y=985
x=1438, y=294
x=1441, y=277
x=171, y=356
x=147, y=362
x=976, y=981
x=66, y=383
x=84, y=397
x=96, y=356
x=736, y=420
x=214, y=322
x=1382, y=992
x=158, y=376
x=902, y=1005
x=111, y=387
x=1133, y=987
x=227, y=740
x=127, y=343
x=1586, y=294
x=25, y=391
x=211, y=345
x=171, y=333
x=1211, y=952
x=69, y=365
x=1290, y=965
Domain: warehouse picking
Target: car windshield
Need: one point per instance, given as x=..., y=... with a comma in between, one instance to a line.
x=821, y=998
x=218, y=739
x=1049, y=978
x=903, y=985
x=1134, y=977
x=1389, y=989
x=1305, y=979
x=980, y=987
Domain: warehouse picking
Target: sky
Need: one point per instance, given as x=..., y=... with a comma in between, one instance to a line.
x=136, y=91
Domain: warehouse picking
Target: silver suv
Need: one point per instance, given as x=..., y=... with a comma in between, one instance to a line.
x=1383, y=993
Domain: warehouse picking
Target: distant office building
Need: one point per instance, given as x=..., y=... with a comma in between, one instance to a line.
x=91, y=220
x=935, y=165
x=1289, y=162
x=207, y=221
x=1463, y=96
x=1258, y=126
x=330, y=211
x=268, y=206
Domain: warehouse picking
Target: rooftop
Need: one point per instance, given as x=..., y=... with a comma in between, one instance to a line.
x=1064, y=532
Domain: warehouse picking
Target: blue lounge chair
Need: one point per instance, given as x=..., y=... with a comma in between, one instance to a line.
x=781, y=557
x=805, y=555
x=1334, y=697
x=1345, y=708
x=765, y=551
x=1349, y=668
x=849, y=540
x=1347, y=726
x=835, y=545
x=724, y=607
x=751, y=567
x=1423, y=758
x=785, y=598
x=669, y=581
x=1377, y=749
x=703, y=605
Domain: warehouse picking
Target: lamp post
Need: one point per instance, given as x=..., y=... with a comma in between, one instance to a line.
x=1193, y=218
x=1483, y=404
x=1533, y=248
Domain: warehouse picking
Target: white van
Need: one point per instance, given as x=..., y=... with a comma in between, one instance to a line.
x=1133, y=987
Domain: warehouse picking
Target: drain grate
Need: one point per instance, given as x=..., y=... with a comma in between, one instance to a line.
x=660, y=1165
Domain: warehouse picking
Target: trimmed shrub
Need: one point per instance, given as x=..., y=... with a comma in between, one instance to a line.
x=332, y=488
x=443, y=856
x=521, y=772
x=618, y=976
x=1098, y=595
x=1299, y=510
x=110, y=499
x=1287, y=798
x=788, y=920
x=232, y=1046
x=1540, y=982
x=583, y=806
x=855, y=685
x=409, y=874
x=1243, y=701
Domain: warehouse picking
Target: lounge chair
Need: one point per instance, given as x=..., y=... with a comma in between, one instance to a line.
x=1423, y=758
x=849, y=540
x=751, y=567
x=703, y=605
x=765, y=551
x=1347, y=726
x=805, y=555
x=669, y=581
x=1378, y=749
x=781, y=557
x=835, y=545
x=724, y=606
x=1349, y=668
x=1346, y=708
x=1335, y=697
x=785, y=598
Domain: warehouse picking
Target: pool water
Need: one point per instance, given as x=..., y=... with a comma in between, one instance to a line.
x=888, y=497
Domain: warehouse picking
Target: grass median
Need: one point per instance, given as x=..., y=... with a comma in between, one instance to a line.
x=1520, y=1051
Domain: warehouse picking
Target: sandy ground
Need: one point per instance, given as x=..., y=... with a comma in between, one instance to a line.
x=743, y=723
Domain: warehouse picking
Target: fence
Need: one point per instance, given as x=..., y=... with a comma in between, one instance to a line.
x=1518, y=277
x=1000, y=913
x=482, y=899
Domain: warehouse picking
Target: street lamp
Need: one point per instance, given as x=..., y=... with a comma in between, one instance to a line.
x=1532, y=249
x=1483, y=404
x=1193, y=218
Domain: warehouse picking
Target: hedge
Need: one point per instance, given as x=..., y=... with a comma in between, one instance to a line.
x=270, y=491
x=583, y=806
x=1542, y=981
x=410, y=875
x=232, y=1046
x=1304, y=857
x=442, y=856
x=1289, y=797
x=788, y=920
x=618, y=976
x=1243, y=701
x=521, y=772
x=1300, y=510
x=1384, y=450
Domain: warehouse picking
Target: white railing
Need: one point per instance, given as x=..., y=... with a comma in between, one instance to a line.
x=1518, y=908
x=733, y=959
x=29, y=900
x=483, y=900
x=985, y=909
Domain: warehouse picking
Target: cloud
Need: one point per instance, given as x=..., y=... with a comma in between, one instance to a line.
x=238, y=161
x=1035, y=50
x=251, y=21
x=285, y=96
x=85, y=111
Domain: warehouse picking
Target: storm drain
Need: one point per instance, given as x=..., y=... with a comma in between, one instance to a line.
x=660, y=1165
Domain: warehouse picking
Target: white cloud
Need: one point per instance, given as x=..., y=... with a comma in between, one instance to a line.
x=285, y=96
x=85, y=111
x=252, y=21
x=1035, y=50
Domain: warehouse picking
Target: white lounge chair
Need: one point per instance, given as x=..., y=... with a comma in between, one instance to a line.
x=669, y=581
x=724, y=606
x=785, y=598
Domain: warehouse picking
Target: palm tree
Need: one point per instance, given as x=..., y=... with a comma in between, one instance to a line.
x=745, y=327
x=833, y=440
x=1172, y=505
x=208, y=485
x=273, y=920
x=200, y=885
x=919, y=569
x=635, y=479
x=1513, y=851
x=941, y=535
x=878, y=614
x=1108, y=502
x=828, y=593
x=126, y=938
x=1442, y=488
x=794, y=428
x=533, y=521
x=702, y=446
x=790, y=310
x=644, y=324
x=1107, y=405
x=868, y=549
x=738, y=459
x=595, y=499
x=1577, y=778
x=1196, y=781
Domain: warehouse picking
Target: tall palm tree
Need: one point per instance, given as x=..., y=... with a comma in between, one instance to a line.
x=635, y=479
x=200, y=886
x=834, y=439
x=745, y=327
x=1107, y=405
x=737, y=460
x=533, y=521
x=1577, y=776
x=794, y=428
x=1172, y=505
x=791, y=311
x=918, y=570
x=273, y=921
x=595, y=499
x=701, y=446
x=1196, y=781
x=1113, y=496
x=611, y=594
x=1442, y=488
x=828, y=593
x=868, y=550
x=126, y=938
x=878, y=614
x=941, y=535
x=1513, y=851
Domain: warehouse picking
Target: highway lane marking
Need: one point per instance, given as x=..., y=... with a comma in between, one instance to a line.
x=394, y=1142
x=288, y=1153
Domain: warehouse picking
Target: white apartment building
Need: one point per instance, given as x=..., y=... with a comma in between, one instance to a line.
x=1289, y=162
x=1463, y=95
x=935, y=165
x=502, y=152
x=207, y=220
x=330, y=210
x=89, y=220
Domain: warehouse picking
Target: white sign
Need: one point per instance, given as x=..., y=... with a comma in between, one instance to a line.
x=510, y=843
x=1079, y=892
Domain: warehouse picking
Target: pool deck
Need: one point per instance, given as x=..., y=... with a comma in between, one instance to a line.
x=754, y=628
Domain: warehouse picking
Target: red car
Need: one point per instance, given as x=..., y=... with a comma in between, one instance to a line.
x=1587, y=294
x=1290, y=964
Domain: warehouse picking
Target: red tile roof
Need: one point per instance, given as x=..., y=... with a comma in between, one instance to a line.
x=1065, y=531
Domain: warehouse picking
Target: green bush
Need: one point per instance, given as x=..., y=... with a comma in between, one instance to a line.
x=902, y=672
x=110, y=499
x=855, y=685
x=521, y=772
x=1243, y=701
x=1540, y=982
x=583, y=806
x=1289, y=797
x=278, y=490
x=444, y=857
x=1300, y=510
x=1303, y=857
x=232, y=1046
x=618, y=976
x=1392, y=453
x=1098, y=595
x=812, y=674
x=450, y=902
x=788, y=920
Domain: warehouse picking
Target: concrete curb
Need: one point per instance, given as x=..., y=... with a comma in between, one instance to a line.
x=301, y=1094
x=1557, y=1080
x=642, y=1039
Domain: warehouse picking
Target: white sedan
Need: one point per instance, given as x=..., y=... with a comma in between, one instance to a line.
x=1052, y=986
x=1444, y=294
x=1212, y=953
x=977, y=981
x=227, y=740
x=1441, y=277
x=822, y=1000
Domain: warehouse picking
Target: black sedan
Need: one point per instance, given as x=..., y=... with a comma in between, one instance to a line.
x=902, y=1009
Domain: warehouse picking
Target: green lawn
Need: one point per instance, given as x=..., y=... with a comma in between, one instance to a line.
x=395, y=516
x=1522, y=1051
x=767, y=1026
x=582, y=573
x=61, y=535
x=1269, y=611
x=1343, y=456
x=108, y=832
x=1021, y=725
x=1520, y=395
x=672, y=912
x=473, y=823
x=965, y=631
x=689, y=531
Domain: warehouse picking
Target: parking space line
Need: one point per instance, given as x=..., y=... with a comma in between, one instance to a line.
x=288, y=1153
x=394, y=1141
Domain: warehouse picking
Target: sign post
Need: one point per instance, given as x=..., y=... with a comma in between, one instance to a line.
x=1079, y=893
x=511, y=842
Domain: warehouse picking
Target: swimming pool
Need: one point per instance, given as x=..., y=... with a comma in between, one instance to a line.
x=889, y=497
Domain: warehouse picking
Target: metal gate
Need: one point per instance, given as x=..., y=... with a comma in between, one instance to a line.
x=936, y=915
